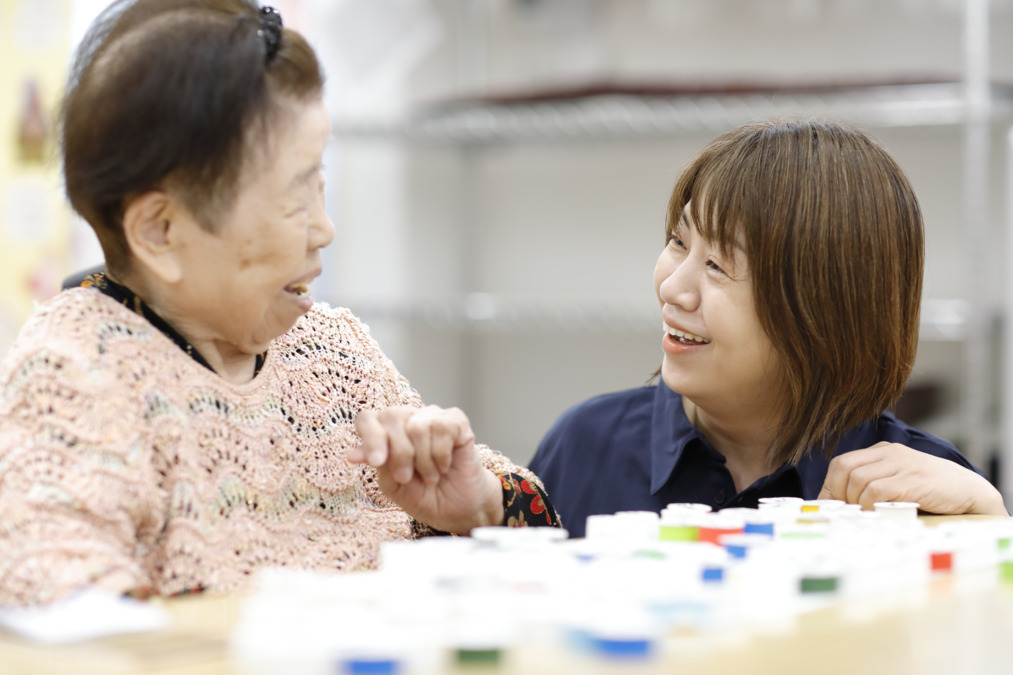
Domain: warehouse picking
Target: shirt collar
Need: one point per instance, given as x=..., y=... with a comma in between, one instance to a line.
x=671, y=432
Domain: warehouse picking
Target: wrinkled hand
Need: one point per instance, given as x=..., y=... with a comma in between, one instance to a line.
x=426, y=463
x=890, y=472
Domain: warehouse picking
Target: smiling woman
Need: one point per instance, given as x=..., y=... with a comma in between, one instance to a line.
x=233, y=289
x=707, y=289
x=789, y=290
x=190, y=415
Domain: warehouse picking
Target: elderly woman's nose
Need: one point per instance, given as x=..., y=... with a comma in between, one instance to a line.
x=321, y=227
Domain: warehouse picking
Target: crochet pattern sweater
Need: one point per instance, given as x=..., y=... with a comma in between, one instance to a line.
x=126, y=464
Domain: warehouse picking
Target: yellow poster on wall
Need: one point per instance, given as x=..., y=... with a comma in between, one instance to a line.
x=34, y=217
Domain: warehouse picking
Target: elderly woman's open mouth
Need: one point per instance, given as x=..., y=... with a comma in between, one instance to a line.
x=300, y=294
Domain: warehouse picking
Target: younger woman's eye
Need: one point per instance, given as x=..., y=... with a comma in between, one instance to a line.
x=676, y=241
x=714, y=266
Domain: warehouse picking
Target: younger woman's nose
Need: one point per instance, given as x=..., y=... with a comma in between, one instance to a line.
x=680, y=287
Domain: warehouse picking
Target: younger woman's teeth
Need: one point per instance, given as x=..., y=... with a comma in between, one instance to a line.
x=683, y=336
x=298, y=289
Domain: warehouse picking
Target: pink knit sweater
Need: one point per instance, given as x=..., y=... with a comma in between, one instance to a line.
x=125, y=463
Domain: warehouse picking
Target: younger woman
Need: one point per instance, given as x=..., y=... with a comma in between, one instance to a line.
x=789, y=288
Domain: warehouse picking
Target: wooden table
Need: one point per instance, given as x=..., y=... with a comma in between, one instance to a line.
x=959, y=623
x=195, y=644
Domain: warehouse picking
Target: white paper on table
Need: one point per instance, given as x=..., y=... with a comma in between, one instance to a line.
x=88, y=614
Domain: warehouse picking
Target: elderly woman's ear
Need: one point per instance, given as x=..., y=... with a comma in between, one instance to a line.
x=153, y=229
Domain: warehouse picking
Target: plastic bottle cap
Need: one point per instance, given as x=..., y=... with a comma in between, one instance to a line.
x=941, y=561
x=471, y=655
x=818, y=584
x=687, y=507
x=780, y=504
x=812, y=517
x=897, y=510
x=713, y=574
x=365, y=666
x=621, y=648
x=779, y=501
x=739, y=545
x=679, y=532
x=810, y=505
x=759, y=528
x=713, y=526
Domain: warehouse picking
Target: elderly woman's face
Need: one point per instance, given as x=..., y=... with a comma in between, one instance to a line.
x=247, y=282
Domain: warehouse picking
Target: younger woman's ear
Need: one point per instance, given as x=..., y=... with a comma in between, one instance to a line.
x=152, y=234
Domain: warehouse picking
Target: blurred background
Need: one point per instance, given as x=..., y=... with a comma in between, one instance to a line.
x=499, y=172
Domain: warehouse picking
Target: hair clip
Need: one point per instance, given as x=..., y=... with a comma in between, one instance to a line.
x=270, y=30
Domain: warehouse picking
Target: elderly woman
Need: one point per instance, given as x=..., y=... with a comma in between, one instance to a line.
x=192, y=415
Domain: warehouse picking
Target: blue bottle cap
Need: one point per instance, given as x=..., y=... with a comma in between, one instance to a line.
x=633, y=648
x=759, y=528
x=367, y=666
x=715, y=574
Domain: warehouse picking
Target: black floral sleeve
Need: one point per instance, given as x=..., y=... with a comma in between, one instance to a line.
x=525, y=503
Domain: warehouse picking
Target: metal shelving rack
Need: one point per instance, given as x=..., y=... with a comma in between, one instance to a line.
x=621, y=117
x=971, y=105
x=943, y=320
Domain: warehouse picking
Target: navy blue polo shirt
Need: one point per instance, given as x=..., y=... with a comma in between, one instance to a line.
x=636, y=450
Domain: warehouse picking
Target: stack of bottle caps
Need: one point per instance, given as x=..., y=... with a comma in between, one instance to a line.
x=524, y=598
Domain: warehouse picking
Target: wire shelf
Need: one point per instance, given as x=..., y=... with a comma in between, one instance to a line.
x=619, y=116
x=942, y=320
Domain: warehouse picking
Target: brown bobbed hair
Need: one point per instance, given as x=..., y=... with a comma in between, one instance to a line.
x=834, y=239
x=173, y=94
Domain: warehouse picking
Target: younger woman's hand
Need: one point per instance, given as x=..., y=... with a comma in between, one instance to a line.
x=426, y=463
x=890, y=472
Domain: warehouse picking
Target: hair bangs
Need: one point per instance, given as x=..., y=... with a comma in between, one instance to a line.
x=719, y=208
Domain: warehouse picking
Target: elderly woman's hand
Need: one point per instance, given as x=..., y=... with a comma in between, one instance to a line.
x=895, y=472
x=426, y=462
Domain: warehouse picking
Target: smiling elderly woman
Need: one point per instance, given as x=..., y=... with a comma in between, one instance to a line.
x=192, y=416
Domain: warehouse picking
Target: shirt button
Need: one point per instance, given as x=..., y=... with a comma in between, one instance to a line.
x=721, y=496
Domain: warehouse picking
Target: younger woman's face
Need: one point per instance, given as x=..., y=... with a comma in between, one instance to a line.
x=715, y=351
